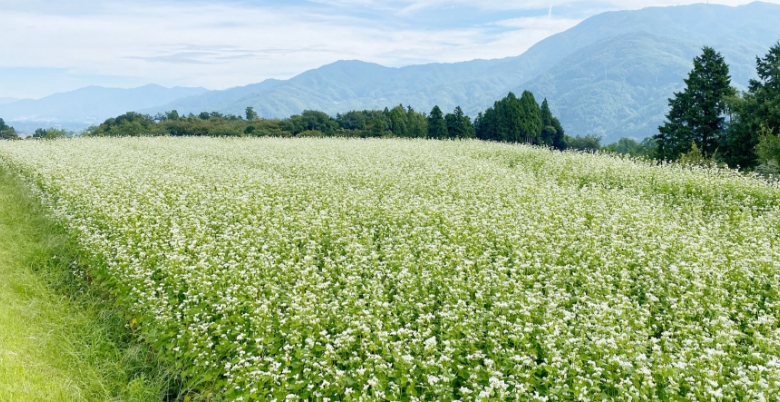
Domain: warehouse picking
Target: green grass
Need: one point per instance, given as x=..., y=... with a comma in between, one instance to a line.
x=59, y=341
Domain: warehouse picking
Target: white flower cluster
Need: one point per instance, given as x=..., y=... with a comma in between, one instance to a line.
x=338, y=270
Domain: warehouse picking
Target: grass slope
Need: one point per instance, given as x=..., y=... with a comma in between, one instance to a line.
x=55, y=347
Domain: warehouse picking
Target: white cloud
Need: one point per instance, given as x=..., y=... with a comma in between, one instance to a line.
x=224, y=44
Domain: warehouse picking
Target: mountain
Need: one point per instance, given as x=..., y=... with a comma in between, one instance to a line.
x=5, y=101
x=610, y=75
x=90, y=105
x=620, y=85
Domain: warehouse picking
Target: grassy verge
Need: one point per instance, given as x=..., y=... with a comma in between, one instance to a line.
x=58, y=340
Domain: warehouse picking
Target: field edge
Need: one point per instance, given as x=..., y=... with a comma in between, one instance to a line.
x=66, y=331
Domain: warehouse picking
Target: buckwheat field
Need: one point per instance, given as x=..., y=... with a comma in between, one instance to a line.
x=357, y=270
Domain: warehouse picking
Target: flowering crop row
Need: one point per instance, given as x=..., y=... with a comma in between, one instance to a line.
x=322, y=269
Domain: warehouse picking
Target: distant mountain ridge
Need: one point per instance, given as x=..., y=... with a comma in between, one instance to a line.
x=610, y=75
x=5, y=101
x=90, y=105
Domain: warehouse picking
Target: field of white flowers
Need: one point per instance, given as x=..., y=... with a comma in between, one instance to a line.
x=338, y=270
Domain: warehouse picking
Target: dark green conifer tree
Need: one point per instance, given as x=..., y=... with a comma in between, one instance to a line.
x=530, y=119
x=766, y=90
x=697, y=113
x=437, y=127
x=458, y=124
x=398, y=121
x=754, y=114
x=548, y=129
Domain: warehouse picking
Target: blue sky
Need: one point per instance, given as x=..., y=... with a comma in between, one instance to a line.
x=55, y=46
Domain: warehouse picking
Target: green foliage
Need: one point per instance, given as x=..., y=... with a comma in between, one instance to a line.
x=697, y=113
x=695, y=157
x=739, y=141
x=766, y=90
x=530, y=119
x=49, y=134
x=250, y=113
x=552, y=134
x=629, y=146
x=437, y=126
x=6, y=132
x=753, y=114
x=62, y=340
x=520, y=120
x=130, y=124
x=590, y=143
x=768, y=151
x=459, y=125
x=310, y=120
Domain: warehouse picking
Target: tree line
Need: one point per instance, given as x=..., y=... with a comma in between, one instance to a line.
x=710, y=120
x=511, y=119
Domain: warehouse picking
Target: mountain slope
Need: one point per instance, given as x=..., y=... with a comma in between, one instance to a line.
x=616, y=87
x=610, y=75
x=5, y=101
x=92, y=104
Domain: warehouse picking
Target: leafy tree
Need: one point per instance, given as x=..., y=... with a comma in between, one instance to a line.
x=6, y=132
x=353, y=120
x=399, y=124
x=590, y=143
x=377, y=125
x=695, y=157
x=49, y=133
x=130, y=124
x=697, y=113
x=310, y=120
x=630, y=146
x=250, y=113
x=437, y=127
x=768, y=151
x=417, y=123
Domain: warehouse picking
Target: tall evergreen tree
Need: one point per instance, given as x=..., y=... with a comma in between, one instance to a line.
x=510, y=119
x=757, y=112
x=559, y=139
x=459, y=125
x=696, y=114
x=548, y=129
x=418, y=125
x=766, y=90
x=437, y=127
x=530, y=117
x=520, y=120
x=398, y=121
